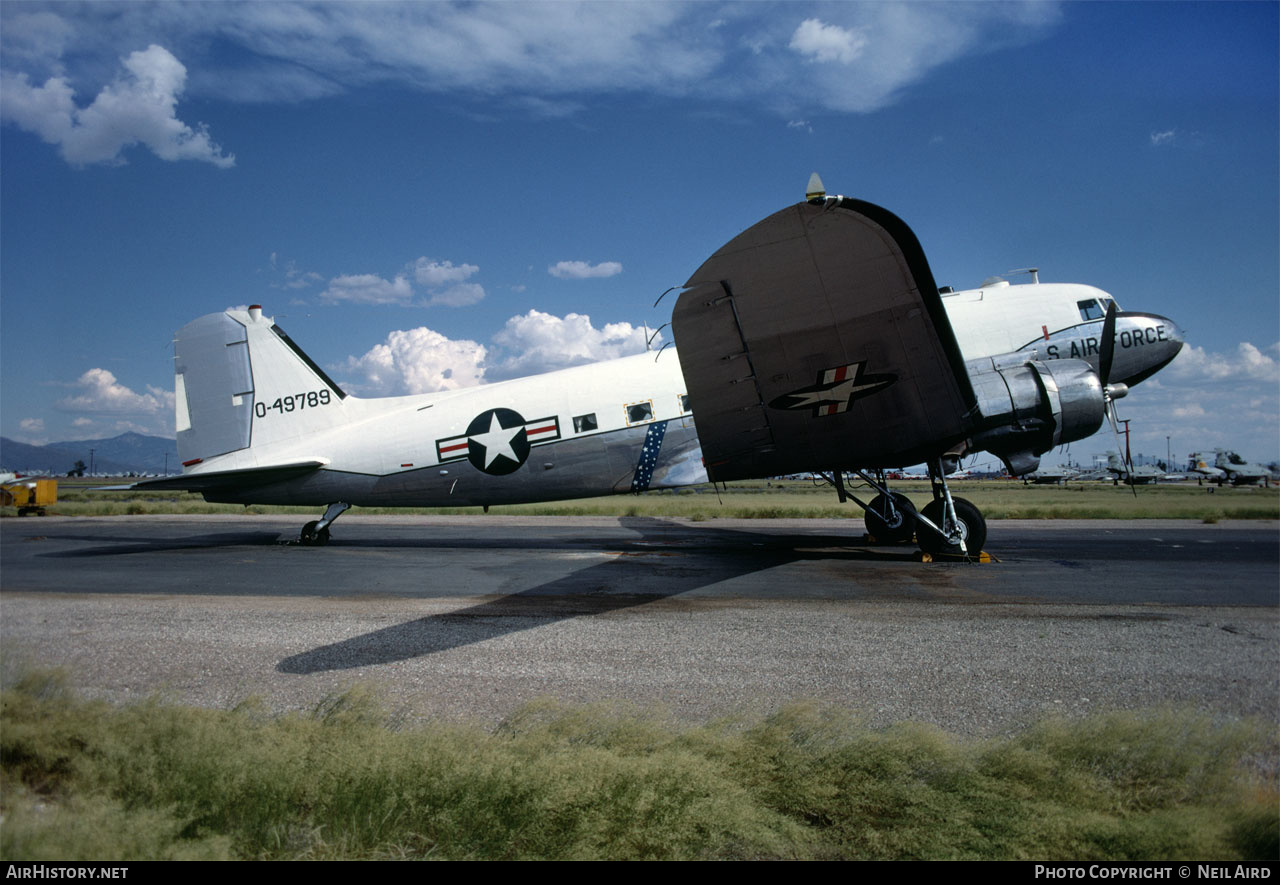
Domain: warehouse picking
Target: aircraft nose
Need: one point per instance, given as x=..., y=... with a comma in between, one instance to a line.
x=1175, y=338
x=1145, y=344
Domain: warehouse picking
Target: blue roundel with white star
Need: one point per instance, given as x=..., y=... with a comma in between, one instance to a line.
x=496, y=441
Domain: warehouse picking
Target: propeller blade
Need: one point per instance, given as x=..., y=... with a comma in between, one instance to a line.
x=1107, y=347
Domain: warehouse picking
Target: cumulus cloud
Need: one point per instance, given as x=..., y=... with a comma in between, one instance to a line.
x=416, y=361
x=422, y=360
x=860, y=57
x=31, y=425
x=139, y=107
x=540, y=342
x=444, y=281
x=581, y=270
x=1205, y=400
x=457, y=296
x=36, y=40
x=823, y=42
x=432, y=273
x=297, y=279
x=1164, y=137
x=542, y=58
x=101, y=394
x=1246, y=364
x=367, y=288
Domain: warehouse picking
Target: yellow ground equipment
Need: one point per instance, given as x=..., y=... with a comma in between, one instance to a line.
x=29, y=495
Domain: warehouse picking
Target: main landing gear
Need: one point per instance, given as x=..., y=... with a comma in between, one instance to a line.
x=316, y=532
x=946, y=525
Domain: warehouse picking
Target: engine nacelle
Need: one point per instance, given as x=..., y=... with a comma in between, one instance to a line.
x=1026, y=407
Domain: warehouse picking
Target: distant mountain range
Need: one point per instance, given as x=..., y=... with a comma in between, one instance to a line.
x=118, y=456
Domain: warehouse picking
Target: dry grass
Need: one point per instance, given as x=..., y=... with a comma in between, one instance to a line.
x=85, y=780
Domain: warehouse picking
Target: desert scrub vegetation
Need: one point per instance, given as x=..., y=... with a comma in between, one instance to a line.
x=86, y=780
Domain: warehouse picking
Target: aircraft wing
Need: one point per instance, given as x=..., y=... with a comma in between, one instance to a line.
x=247, y=478
x=816, y=340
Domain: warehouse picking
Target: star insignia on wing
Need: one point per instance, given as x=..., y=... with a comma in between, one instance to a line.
x=834, y=390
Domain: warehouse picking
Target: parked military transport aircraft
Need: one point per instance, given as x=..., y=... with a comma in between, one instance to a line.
x=814, y=341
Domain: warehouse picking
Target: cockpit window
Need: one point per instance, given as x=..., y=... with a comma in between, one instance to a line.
x=1090, y=310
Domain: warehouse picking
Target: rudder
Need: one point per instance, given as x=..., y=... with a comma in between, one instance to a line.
x=241, y=382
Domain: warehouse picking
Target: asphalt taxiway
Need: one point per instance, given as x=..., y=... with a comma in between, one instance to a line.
x=473, y=616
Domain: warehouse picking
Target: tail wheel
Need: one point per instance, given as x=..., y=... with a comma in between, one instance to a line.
x=972, y=527
x=892, y=525
x=311, y=537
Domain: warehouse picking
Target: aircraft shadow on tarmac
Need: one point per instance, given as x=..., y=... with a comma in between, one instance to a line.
x=597, y=589
x=131, y=545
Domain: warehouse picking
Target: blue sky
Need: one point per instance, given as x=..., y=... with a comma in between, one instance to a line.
x=433, y=194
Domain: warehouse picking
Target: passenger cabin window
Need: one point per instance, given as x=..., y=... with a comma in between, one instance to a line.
x=684, y=402
x=638, y=413
x=1089, y=310
x=583, y=423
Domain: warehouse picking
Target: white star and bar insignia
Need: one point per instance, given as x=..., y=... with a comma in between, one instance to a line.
x=835, y=390
x=497, y=441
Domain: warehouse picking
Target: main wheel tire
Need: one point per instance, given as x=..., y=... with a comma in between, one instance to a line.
x=311, y=537
x=898, y=527
x=972, y=527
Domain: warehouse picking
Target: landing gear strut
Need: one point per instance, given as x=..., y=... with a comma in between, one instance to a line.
x=949, y=525
x=945, y=525
x=316, y=532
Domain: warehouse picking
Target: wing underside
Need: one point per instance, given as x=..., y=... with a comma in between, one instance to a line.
x=816, y=339
x=231, y=480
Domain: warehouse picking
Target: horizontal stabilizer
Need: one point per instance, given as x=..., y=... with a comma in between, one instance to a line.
x=247, y=478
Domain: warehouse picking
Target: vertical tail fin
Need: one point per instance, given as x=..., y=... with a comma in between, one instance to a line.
x=241, y=382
